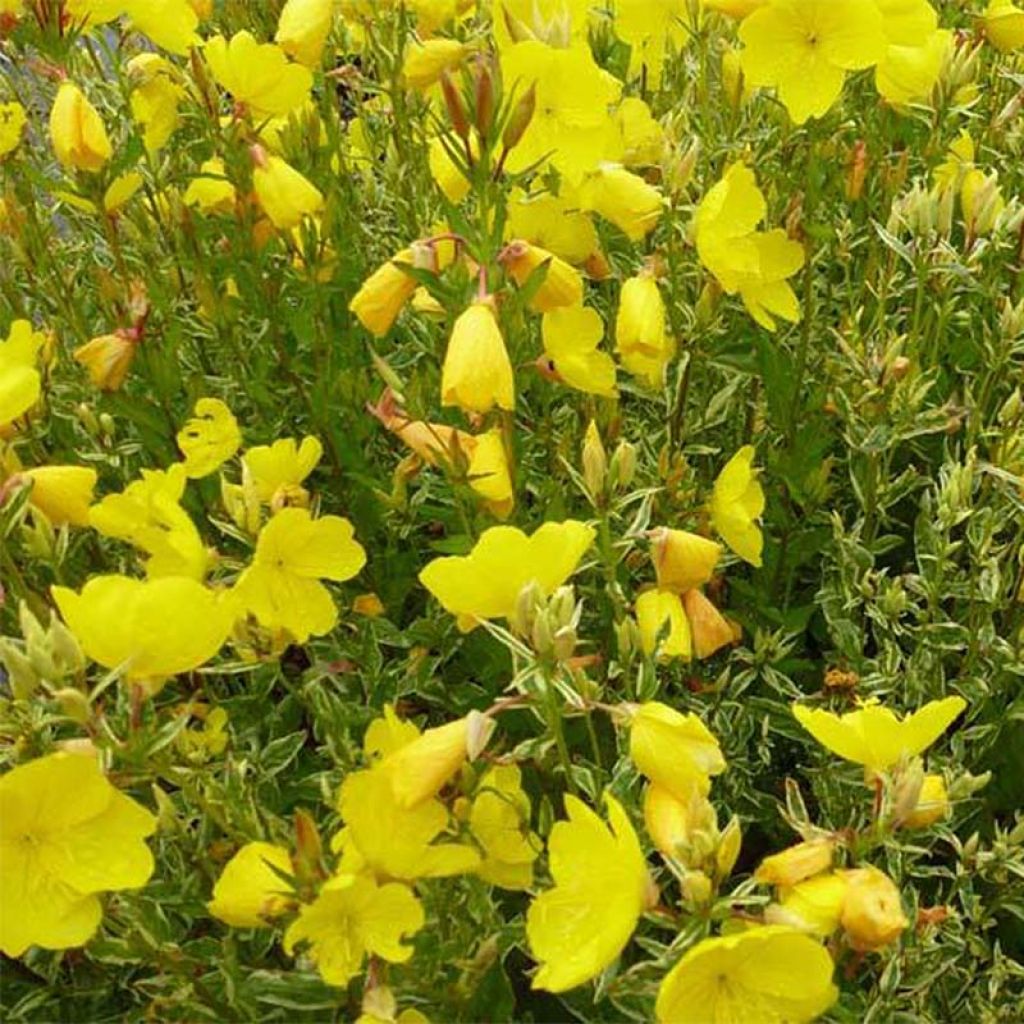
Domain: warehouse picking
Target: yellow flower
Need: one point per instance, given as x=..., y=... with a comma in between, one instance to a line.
x=643, y=138
x=20, y=381
x=804, y=48
x=426, y=61
x=554, y=223
x=872, y=913
x=12, y=124
x=915, y=52
x=500, y=822
x=571, y=338
x=710, y=630
x=641, y=336
x=249, y=892
x=580, y=926
x=814, y=905
x=623, y=198
x=874, y=737
x=352, y=918
x=560, y=284
x=486, y=583
x=656, y=609
x=155, y=98
x=211, y=191
x=981, y=200
x=153, y=628
x=676, y=751
x=66, y=834
x=384, y=293
x=284, y=194
x=1004, y=25
x=108, y=358
x=149, y=516
x=76, y=131
x=446, y=173
x=556, y=22
x=796, y=863
x=420, y=769
x=62, y=493
x=651, y=28
x=571, y=126
x=303, y=28
x=489, y=474
x=170, y=24
x=738, y=9
x=683, y=560
x=282, y=587
x=737, y=502
x=120, y=190
x=932, y=804
x=209, y=439
x=676, y=825
x=774, y=975
x=278, y=470
x=258, y=75
x=477, y=374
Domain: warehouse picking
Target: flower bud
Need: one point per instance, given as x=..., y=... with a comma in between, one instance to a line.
x=76, y=131
x=697, y=888
x=23, y=677
x=623, y=466
x=74, y=704
x=932, y=804
x=455, y=106
x=872, y=916
x=483, y=98
x=728, y=851
x=796, y=863
x=907, y=789
x=595, y=463
x=520, y=118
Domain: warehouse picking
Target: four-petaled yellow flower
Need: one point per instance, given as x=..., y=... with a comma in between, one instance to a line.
x=209, y=438
x=258, y=75
x=737, y=502
x=278, y=470
x=571, y=338
x=251, y=890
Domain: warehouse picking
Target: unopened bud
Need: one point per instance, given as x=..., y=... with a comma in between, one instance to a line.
x=728, y=851
x=857, y=170
x=623, y=466
x=484, y=98
x=23, y=677
x=520, y=118
x=74, y=704
x=595, y=464
x=455, y=106
x=907, y=790
x=697, y=888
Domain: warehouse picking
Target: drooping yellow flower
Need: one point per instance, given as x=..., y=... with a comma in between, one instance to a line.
x=285, y=195
x=796, y=863
x=486, y=583
x=873, y=736
x=754, y=264
x=580, y=926
x=571, y=125
x=209, y=438
x=737, y=502
x=683, y=560
x=676, y=751
x=303, y=28
x=571, y=338
x=282, y=587
x=258, y=75
x=658, y=612
x=499, y=819
x=384, y=293
x=560, y=283
x=107, y=358
x=624, y=199
x=66, y=834
x=277, y=471
x=149, y=516
x=12, y=124
x=249, y=892
x=1004, y=25
x=352, y=918
x=804, y=48
x=211, y=191
x=62, y=493
x=76, y=131
x=155, y=98
x=154, y=628
x=774, y=975
x=20, y=380
x=477, y=373
x=641, y=335
x=872, y=915
x=814, y=905
x=711, y=631
x=170, y=24
x=427, y=60
x=420, y=769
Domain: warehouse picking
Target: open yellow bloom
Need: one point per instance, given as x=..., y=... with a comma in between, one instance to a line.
x=282, y=587
x=20, y=380
x=62, y=493
x=303, y=28
x=554, y=223
x=651, y=29
x=571, y=338
x=211, y=191
x=477, y=373
x=772, y=975
x=285, y=195
x=153, y=628
x=560, y=283
x=500, y=822
x=1004, y=25
x=149, y=516
x=278, y=470
x=486, y=583
x=676, y=751
x=624, y=199
x=248, y=892
x=804, y=48
x=916, y=50
x=352, y=918
x=170, y=24
x=738, y=9
x=76, y=131
x=258, y=75
x=737, y=502
x=420, y=769
x=873, y=736
x=66, y=834
x=209, y=438
x=155, y=98
x=655, y=610
x=580, y=926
